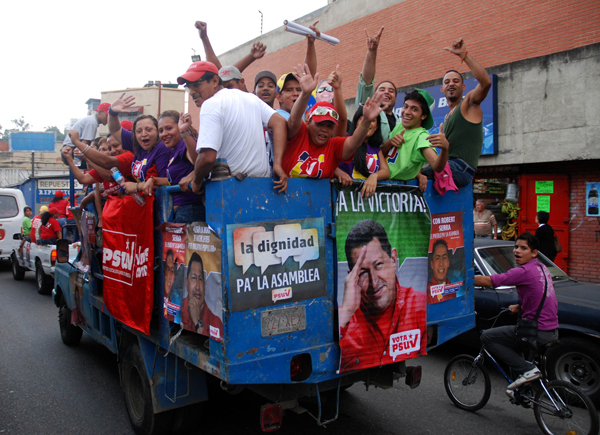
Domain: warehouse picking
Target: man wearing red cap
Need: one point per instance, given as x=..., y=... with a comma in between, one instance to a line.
x=87, y=127
x=231, y=128
x=311, y=150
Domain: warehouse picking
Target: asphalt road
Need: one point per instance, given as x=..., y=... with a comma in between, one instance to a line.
x=49, y=388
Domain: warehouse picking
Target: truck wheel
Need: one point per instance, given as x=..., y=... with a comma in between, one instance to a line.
x=138, y=396
x=576, y=360
x=17, y=271
x=44, y=283
x=70, y=334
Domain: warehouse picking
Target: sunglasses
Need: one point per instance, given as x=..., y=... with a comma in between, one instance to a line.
x=324, y=88
x=320, y=111
x=190, y=86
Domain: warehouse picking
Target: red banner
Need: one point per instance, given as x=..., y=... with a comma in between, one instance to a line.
x=127, y=260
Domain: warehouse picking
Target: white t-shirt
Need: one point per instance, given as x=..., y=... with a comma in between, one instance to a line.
x=232, y=123
x=87, y=128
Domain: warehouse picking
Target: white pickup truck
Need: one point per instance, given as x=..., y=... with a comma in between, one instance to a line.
x=39, y=259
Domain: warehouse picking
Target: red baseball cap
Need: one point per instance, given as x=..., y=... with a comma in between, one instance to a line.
x=324, y=112
x=127, y=125
x=59, y=193
x=53, y=210
x=196, y=71
x=103, y=108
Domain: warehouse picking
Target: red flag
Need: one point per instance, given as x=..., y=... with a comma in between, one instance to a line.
x=127, y=260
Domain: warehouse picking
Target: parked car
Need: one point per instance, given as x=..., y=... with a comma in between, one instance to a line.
x=12, y=204
x=576, y=358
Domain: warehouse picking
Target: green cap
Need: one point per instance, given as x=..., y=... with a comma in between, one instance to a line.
x=428, y=123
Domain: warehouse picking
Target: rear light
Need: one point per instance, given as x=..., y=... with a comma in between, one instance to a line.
x=301, y=367
x=2, y=234
x=270, y=417
x=53, y=257
x=413, y=376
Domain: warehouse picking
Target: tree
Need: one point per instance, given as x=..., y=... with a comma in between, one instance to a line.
x=21, y=124
x=59, y=136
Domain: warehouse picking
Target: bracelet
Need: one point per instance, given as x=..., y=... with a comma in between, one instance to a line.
x=112, y=113
x=461, y=60
x=363, y=127
x=86, y=150
x=137, y=185
x=186, y=134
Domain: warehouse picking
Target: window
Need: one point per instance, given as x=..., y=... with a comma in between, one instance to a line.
x=8, y=207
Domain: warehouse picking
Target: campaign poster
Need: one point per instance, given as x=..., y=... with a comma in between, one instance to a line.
x=127, y=260
x=382, y=246
x=591, y=199
x=446, y=258
x=77, y=279
x=173, y=258
x=273, y=263
x=202, y=303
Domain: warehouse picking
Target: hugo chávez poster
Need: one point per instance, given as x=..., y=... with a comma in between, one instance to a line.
x=202, y=304
x=446, y=258
x=127, y=260
x=273, y=263
x=382, y=275
x=173, y=257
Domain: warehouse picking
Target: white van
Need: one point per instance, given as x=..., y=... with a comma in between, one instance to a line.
x=12, y=203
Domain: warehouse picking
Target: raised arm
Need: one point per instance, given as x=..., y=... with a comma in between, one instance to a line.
x=185, y=122
x=307, y=84
x=371, y=110
x=122, y=104
x=210, y=53
x=368, y=70
x=92, y=155
x=67, y=152
x=311, y=53
x=484, y=81
x=257, y=51
x=335, y=80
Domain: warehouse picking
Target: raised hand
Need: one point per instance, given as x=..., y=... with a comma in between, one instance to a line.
x=258, y=50
x=439, y=140
x=352, y=291
x=458, y=48
x=305, y=78
x=67, y=152
x=201, y=26
x=335, y=78
x=372, y=107
x=314, y=29
x=398, y=140
x=123, y=103
x=373, y=41
x=185, y=122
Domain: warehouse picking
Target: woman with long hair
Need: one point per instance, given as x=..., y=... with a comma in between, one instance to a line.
x=50, y=228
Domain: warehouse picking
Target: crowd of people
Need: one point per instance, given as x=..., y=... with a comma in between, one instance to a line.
x=308, y=135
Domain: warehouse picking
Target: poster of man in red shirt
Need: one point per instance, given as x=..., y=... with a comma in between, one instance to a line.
x=383, y=310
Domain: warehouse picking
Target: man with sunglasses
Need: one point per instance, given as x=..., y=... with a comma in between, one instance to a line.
x=311, y=150
x=231, y=128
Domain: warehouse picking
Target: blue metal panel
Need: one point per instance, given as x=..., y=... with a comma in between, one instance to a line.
x=28, y=188
x=32, y=141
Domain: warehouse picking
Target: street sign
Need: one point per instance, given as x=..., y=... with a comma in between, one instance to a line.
x=32, y=141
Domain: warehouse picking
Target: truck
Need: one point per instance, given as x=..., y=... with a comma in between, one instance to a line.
x=276, y=327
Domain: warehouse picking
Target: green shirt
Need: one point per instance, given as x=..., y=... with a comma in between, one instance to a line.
x=406, y=162
x=365, y=91
x=26, y=226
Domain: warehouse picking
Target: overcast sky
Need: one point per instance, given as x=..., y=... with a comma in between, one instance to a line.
x=58, y=54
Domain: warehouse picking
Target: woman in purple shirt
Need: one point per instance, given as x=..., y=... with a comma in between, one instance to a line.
x=369, y=163
x=179, y=138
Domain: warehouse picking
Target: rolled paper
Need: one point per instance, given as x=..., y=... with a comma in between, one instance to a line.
x=299, y=29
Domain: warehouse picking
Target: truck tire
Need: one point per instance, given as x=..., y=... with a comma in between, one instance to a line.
x=70, y=334
x=44, y=282
x=17, y=271
x=576, y=360
x=138, y=396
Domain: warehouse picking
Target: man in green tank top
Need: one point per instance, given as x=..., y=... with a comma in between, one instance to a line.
x=463, y=125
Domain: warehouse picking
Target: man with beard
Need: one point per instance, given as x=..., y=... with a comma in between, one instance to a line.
x=376, y=307
x=463, y=125
x=196, y=316
x=386, y=88
x=440, y=263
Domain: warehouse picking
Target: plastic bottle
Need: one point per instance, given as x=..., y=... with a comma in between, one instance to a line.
x=593, y=201
x=121, y=182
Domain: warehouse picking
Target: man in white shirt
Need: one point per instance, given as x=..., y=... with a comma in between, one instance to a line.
x=232, y=126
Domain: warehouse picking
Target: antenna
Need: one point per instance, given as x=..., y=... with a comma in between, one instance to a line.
x=261, y=22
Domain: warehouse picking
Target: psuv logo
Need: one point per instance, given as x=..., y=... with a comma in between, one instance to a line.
x=372, y=163
x=308, y=166
x=122, y=258
x=136, y=168
x=392, y=155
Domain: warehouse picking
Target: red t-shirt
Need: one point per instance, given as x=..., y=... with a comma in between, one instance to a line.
x=35, y=224
x=49, y=230
x=302, y=158
x=61, y=206
x=111, y=187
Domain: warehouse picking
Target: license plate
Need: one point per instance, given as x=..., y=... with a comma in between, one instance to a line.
x=283, y=321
